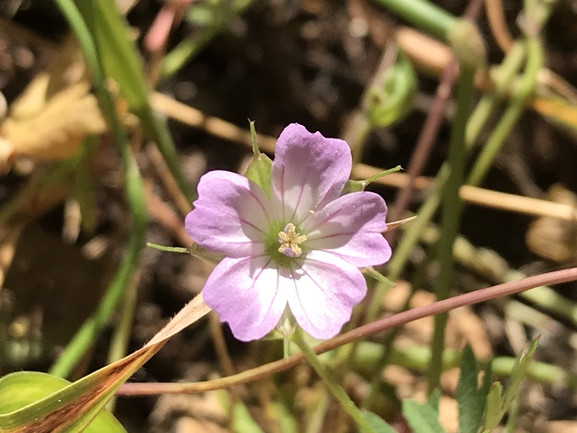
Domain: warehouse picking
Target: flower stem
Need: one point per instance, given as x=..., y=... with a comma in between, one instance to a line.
x=348, y=405
x=512, y=114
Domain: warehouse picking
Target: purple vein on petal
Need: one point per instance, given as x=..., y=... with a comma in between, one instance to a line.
x=328, y=217
x=299, y=200
x=282, y=192
x=334, y=235
x=277, y=285
x=305, y=304
x=242, y=220
x=261, y=206
x=327, y=193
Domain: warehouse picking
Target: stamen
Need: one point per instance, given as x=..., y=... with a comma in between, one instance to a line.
x=290, y=240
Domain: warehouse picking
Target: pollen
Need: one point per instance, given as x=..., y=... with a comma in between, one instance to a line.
x=289, y=241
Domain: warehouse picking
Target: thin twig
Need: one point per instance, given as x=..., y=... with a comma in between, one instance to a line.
x=482, y=295
x=498, y=25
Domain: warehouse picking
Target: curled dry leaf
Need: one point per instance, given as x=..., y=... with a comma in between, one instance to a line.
x=56, y=131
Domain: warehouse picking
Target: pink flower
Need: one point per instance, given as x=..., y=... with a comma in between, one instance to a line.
x=300, y=247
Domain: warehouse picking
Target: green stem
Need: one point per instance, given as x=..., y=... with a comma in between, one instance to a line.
x=451, y=214
x=422, y=14
x=347, y=404
x=418, y=359
x=488, y=103
x=512, y=114
x=427, y=210
x=135, y=196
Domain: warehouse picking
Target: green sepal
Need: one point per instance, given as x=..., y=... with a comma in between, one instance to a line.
x=168, y=249
x=360, y=185
x=376, y=275
x=354, y=186
x=259, y=172
x=260, y=165
x=197, y=251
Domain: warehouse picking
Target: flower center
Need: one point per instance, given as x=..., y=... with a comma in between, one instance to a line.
x=289, y=241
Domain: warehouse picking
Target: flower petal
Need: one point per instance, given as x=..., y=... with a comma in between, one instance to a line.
x=230, y=216
x=245, y=293
x=308, y=171
x=351, y=227
x=325, y=290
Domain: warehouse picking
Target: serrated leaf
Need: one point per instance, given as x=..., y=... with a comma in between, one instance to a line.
x=421, y=417
x=470, y=399
x=378, y=424
x=493, y=413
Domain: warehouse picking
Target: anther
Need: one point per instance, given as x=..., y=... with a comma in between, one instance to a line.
x=290, y=240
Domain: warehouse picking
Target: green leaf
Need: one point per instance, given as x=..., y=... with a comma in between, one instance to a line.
x=118, y=52
x=378, y=424
x=518, y=372
x=23, y=388
x=259, y=171
x=122, y=62
x=422, y=417
x=493, y=413
x=471, y=400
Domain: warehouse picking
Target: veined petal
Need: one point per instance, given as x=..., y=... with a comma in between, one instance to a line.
x=351, y=227
x=230, y=216
x=308, y=171
x=245, y=293
x=325, y=290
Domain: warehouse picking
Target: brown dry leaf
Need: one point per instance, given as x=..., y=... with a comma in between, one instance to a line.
x=552, y=238
x=57, y=131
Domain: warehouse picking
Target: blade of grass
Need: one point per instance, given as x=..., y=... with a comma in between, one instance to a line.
x=135, y=197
